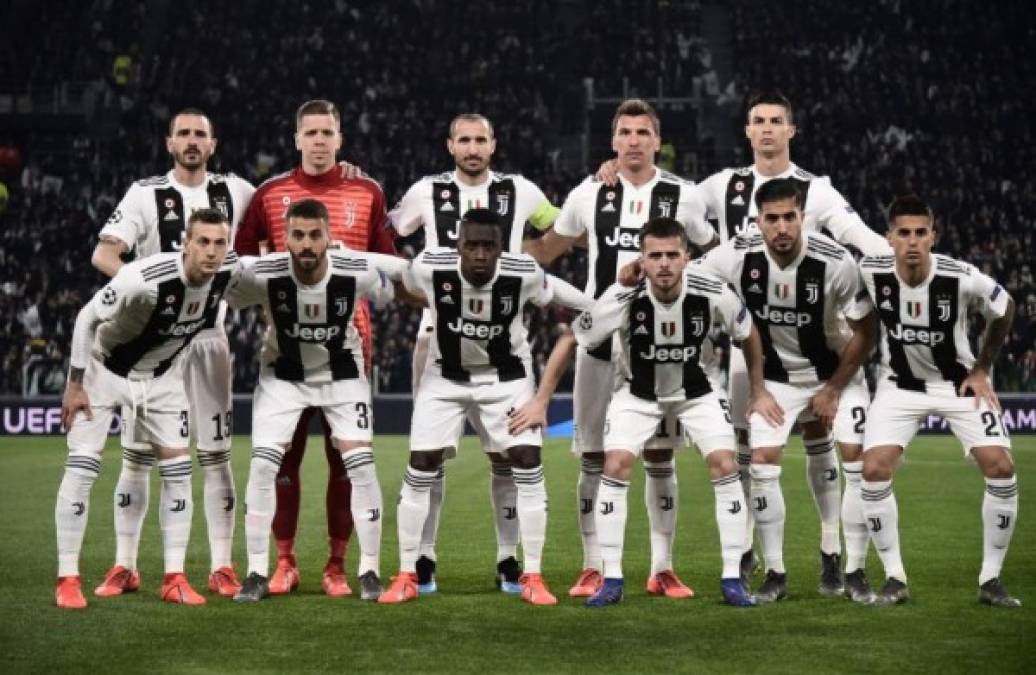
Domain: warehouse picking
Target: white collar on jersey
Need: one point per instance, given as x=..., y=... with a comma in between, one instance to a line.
x=305, y=286
x=678, y=299
x=923, y=284
x=792, y=168
x=650, y=184
x=490, y=177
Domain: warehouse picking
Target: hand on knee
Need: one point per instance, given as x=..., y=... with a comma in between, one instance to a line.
x=618, y=464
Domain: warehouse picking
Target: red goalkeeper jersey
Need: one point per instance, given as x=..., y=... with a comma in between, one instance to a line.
x=357, y=220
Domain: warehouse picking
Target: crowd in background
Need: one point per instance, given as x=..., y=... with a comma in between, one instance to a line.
x=926, y=96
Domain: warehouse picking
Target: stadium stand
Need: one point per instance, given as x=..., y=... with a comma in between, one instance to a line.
x=931, y=101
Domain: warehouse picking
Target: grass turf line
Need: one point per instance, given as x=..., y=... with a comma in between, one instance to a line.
x=469, y=626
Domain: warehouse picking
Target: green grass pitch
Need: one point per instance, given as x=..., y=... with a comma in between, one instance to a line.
x=470, y=627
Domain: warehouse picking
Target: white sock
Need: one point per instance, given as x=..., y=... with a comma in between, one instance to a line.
x=132, y=492
x=853, y=523
x=73, y=508
x=822, y=475
x=411, y=515
x=730, y=519
x=999, y=513
x=586, y=491
x=174, y=518
x=661, y=498
x=220, y=497
x=430, y=532
x=744, y=462
x=260, y=506
x=531, y=504
x=366, y=506
x=768, y=504
x=503, y=494
x=611, y=523
x=882, y=514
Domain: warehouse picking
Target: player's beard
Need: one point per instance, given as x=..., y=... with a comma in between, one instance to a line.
x=473, y=173
x=180, y=158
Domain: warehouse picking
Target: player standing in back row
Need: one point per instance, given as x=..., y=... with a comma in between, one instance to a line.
x=927, y=368
x=436, y=204
x=152, y=218
x=357, y=221
x=612, y=217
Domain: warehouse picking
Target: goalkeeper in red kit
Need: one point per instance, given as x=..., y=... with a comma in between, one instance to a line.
x=357, y=221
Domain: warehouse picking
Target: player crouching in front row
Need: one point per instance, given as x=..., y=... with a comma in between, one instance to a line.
x=312, y=358
x=662, y=323
x=125, y=352
x=927, y=368
x=479, y=363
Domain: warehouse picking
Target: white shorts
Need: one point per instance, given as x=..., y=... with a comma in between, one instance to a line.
x=278, y=404
x=595, y=381
x=441, y=406
x=896, y=414
x=207, y=374
x=850, y=420
x=633, y=421
x=738, y=388
x=154, y=411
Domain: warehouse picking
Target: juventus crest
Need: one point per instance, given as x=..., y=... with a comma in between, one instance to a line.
x=812, y=292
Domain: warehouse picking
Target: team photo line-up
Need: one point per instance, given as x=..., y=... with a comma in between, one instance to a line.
x=767, y=258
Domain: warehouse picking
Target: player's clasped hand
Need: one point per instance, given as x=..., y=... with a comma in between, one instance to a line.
x=825, y=406
x=530, y=415
x=630, y=273
x=608, y=172
x=767, y=406
x=74, y=400
x=977, y=382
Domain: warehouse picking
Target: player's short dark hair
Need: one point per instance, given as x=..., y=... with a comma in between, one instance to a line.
x=310, y=209
x=480, y=216
x=634, y=107
x=777, y=189
x=192, y=111
x=317, y=106
x=770, y=97
x=663, y=228
x=470, y=117
x=206, y=216
x=910, y=205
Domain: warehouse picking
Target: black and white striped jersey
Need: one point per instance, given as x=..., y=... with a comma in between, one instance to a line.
x=613, y=216
x=438, y=202
x=729, y=200
x=311, y=336
x=661, y=343
x=800, y=309
x=148, y=313
x=152, y=216
x=479, y=333
x=924, y=336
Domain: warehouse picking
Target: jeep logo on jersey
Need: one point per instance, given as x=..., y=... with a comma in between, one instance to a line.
x=943, y=305
x=474, y=329
x=812, y=292
x=313, y=333
x=623, y=239
x=781, y=291
x=664, y=354
x=914, y=336
x=783, y=317
x=913, y=309
x=181, y=329
x=501, y=204
x=668, y=328
x=453, y=234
